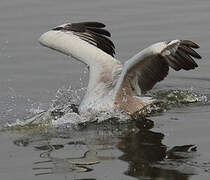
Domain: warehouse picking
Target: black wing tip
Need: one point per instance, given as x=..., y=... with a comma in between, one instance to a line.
x=188, y=47
x=101, y=31
x=81, y=26
x=96, y=27
x=94, y=24
x=184, y=57
x=95, y=30
x=190, y=43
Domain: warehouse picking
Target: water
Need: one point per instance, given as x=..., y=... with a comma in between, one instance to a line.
x=30, y=76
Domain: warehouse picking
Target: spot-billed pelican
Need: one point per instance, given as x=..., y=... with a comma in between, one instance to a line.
x=113, y=85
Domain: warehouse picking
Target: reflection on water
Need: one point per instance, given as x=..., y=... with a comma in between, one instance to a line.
x=142, y=149
x=59, y=165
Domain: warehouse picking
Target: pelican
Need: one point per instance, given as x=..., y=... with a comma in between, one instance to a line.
x=112, y=85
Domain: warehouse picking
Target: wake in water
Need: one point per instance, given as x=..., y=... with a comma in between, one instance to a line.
x=63, y=112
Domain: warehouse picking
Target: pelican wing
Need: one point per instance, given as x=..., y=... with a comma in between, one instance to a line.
x=152, y=64
x=67, y=34
x=89, y=43
x=93, y=33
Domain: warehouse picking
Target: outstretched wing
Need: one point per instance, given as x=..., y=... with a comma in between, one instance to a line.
x=79, y=35
x=152, y=64
x=88, y=42
x=91, y=32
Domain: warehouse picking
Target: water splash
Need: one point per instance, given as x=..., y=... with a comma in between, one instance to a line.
x=167, y=99
x=179, y=96
x=63, y=112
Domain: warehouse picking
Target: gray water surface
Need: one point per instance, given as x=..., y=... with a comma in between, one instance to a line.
x=30, y=76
